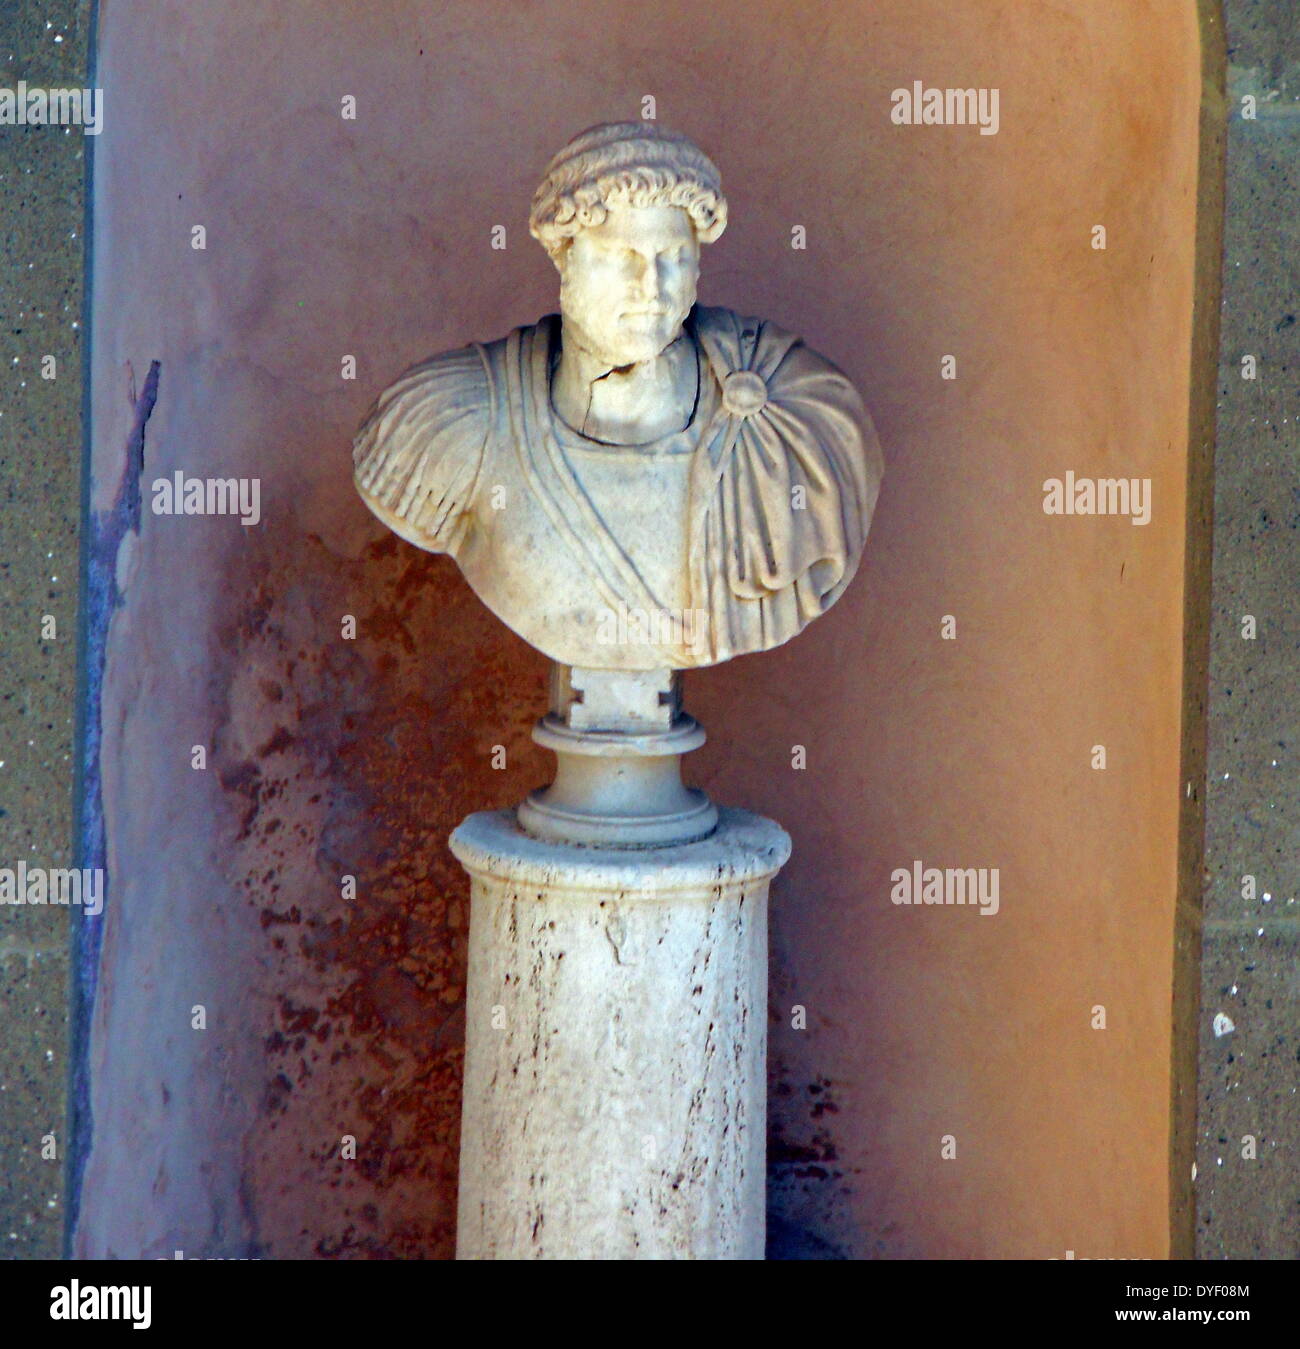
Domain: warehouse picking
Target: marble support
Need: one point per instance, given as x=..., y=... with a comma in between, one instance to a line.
x=616, y=1039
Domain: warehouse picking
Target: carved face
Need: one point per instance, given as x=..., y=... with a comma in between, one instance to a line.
x=627, y=284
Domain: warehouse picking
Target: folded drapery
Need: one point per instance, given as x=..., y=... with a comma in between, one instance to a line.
x=785, y=472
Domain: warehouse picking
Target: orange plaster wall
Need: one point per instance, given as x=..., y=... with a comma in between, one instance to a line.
x=330, y=1016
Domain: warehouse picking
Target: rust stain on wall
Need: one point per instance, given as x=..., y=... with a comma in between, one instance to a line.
x=356, y=758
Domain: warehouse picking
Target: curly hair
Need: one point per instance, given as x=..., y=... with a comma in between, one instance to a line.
x=632, y=162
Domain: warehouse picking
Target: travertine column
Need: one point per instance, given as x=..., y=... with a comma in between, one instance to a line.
x=616, y=1040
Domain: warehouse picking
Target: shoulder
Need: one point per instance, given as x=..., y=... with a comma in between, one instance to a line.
x=430, y=395
x=725, y=329
x=819, y=404
x=736, y=341
x=787, y=364
x=417, y=452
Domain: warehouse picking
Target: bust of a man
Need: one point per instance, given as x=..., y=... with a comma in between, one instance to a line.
x=639, y=482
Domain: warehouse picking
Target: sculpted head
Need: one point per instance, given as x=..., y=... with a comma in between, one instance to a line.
x=622, y=211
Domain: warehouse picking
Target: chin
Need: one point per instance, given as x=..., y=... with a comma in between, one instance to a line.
x=644, y=344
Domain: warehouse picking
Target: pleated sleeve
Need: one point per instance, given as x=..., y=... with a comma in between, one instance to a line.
x=418, y=453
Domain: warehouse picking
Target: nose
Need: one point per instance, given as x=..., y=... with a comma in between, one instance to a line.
x=646, y=280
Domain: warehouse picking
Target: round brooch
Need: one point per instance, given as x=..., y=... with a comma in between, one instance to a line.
x=743, y=393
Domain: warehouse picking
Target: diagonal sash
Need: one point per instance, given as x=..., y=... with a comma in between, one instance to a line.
x=549, y=475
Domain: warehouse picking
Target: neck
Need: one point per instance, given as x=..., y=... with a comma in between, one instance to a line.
x=624, y=405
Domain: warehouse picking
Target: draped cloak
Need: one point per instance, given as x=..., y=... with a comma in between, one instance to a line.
x=464, y=454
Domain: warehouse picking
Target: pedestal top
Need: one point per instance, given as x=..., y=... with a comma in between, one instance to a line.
x=744, y=847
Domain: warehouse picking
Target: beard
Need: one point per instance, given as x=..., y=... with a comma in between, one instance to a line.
x=629, y=341
x=619, y=338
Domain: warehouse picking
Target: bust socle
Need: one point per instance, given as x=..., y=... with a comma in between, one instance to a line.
x=639, y=482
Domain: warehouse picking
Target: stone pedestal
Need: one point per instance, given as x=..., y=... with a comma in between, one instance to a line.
x=616, y=1041
x=618, y=738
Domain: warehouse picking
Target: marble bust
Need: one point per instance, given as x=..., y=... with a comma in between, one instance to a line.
x=640, y=482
